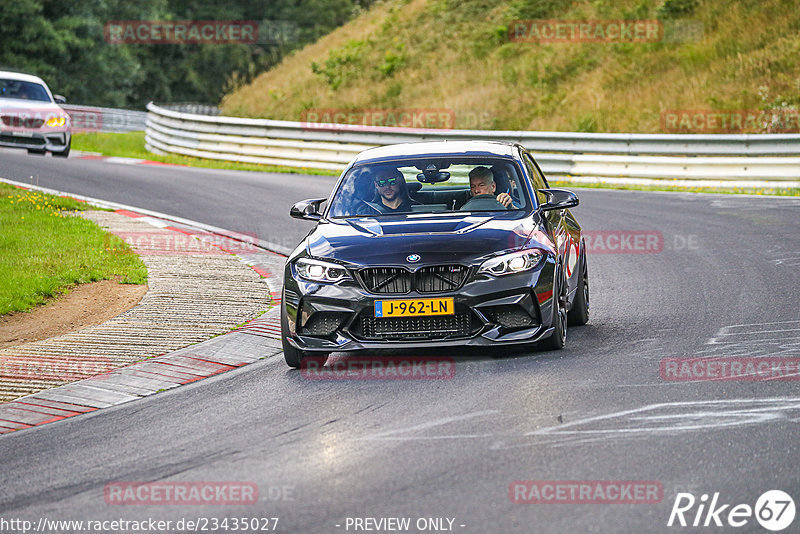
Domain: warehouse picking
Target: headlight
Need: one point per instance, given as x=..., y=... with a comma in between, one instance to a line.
x=514, y=262
x=320, y=271
x=55, y=122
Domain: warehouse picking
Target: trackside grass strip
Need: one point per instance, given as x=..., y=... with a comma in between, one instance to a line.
x=45, y=249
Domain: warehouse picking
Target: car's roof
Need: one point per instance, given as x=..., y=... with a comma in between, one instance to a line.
x=9, y=75
x=437, y=148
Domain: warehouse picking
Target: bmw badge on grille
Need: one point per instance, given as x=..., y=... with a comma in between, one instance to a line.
x=412, y=258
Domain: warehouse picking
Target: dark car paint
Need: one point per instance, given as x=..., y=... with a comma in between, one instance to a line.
x=437, y=238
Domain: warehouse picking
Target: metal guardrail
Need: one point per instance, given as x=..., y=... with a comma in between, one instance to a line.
x=94, y=119
x=332, y=146
x=193, y=108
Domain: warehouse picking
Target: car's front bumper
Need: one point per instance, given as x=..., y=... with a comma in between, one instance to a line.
x=51, y=141
x=497, y=309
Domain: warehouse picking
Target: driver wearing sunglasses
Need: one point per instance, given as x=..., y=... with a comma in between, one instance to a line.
x=390, y=187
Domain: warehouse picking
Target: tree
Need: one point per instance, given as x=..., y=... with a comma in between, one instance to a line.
x=64, y=43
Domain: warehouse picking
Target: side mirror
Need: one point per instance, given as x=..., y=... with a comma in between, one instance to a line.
x=558, y=199
x=59, y=99
x=307, y=209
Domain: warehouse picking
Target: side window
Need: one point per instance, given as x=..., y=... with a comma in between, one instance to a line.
x=537, y=179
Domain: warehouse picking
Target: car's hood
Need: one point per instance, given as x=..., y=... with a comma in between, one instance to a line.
x=436, y=239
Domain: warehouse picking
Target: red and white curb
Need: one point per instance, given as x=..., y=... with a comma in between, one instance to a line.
x=209, y=358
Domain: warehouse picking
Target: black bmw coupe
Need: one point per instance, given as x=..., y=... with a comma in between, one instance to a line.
x=435, y=244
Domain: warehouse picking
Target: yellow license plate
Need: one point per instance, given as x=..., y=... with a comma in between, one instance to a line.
x=414, y=307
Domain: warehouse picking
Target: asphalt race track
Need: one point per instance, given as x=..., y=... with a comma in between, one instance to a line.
x=722, y=281
x=258, y=204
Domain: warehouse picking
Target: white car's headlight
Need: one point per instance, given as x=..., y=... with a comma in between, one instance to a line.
x=56, y=122
x=320, y=271
x=513, y=262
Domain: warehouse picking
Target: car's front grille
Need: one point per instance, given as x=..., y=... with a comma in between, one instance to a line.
x=16, y=121
x=13, y=139
x=440, y=278
x=397, y=280
x=386, y=280
x=414, y=328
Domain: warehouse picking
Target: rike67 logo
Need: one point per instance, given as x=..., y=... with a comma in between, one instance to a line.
x=774, y=510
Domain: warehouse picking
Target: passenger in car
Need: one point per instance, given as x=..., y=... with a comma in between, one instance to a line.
x=505, y=184
x=482, y=187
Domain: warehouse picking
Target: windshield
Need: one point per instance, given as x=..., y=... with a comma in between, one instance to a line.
x=430, y=185
x=23, y=90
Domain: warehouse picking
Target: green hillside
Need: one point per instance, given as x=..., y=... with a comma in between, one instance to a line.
x=458, y=56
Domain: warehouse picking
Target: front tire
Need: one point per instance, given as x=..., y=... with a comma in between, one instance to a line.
x=560, y=300
x=579, y=312
x=296, y=358
x=36, y=152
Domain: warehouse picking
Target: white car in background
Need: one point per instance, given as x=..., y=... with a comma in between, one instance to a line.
x=30, y=116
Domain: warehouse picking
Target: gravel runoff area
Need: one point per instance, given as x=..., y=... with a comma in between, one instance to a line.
x=198, y=288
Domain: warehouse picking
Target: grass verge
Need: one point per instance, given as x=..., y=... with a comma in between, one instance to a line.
x=131, y=145
x=45, y=250
x=469, y=59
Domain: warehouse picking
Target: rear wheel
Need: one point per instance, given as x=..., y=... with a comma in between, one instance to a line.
x=579, y=312
x=296, y=358
x=559, y=337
